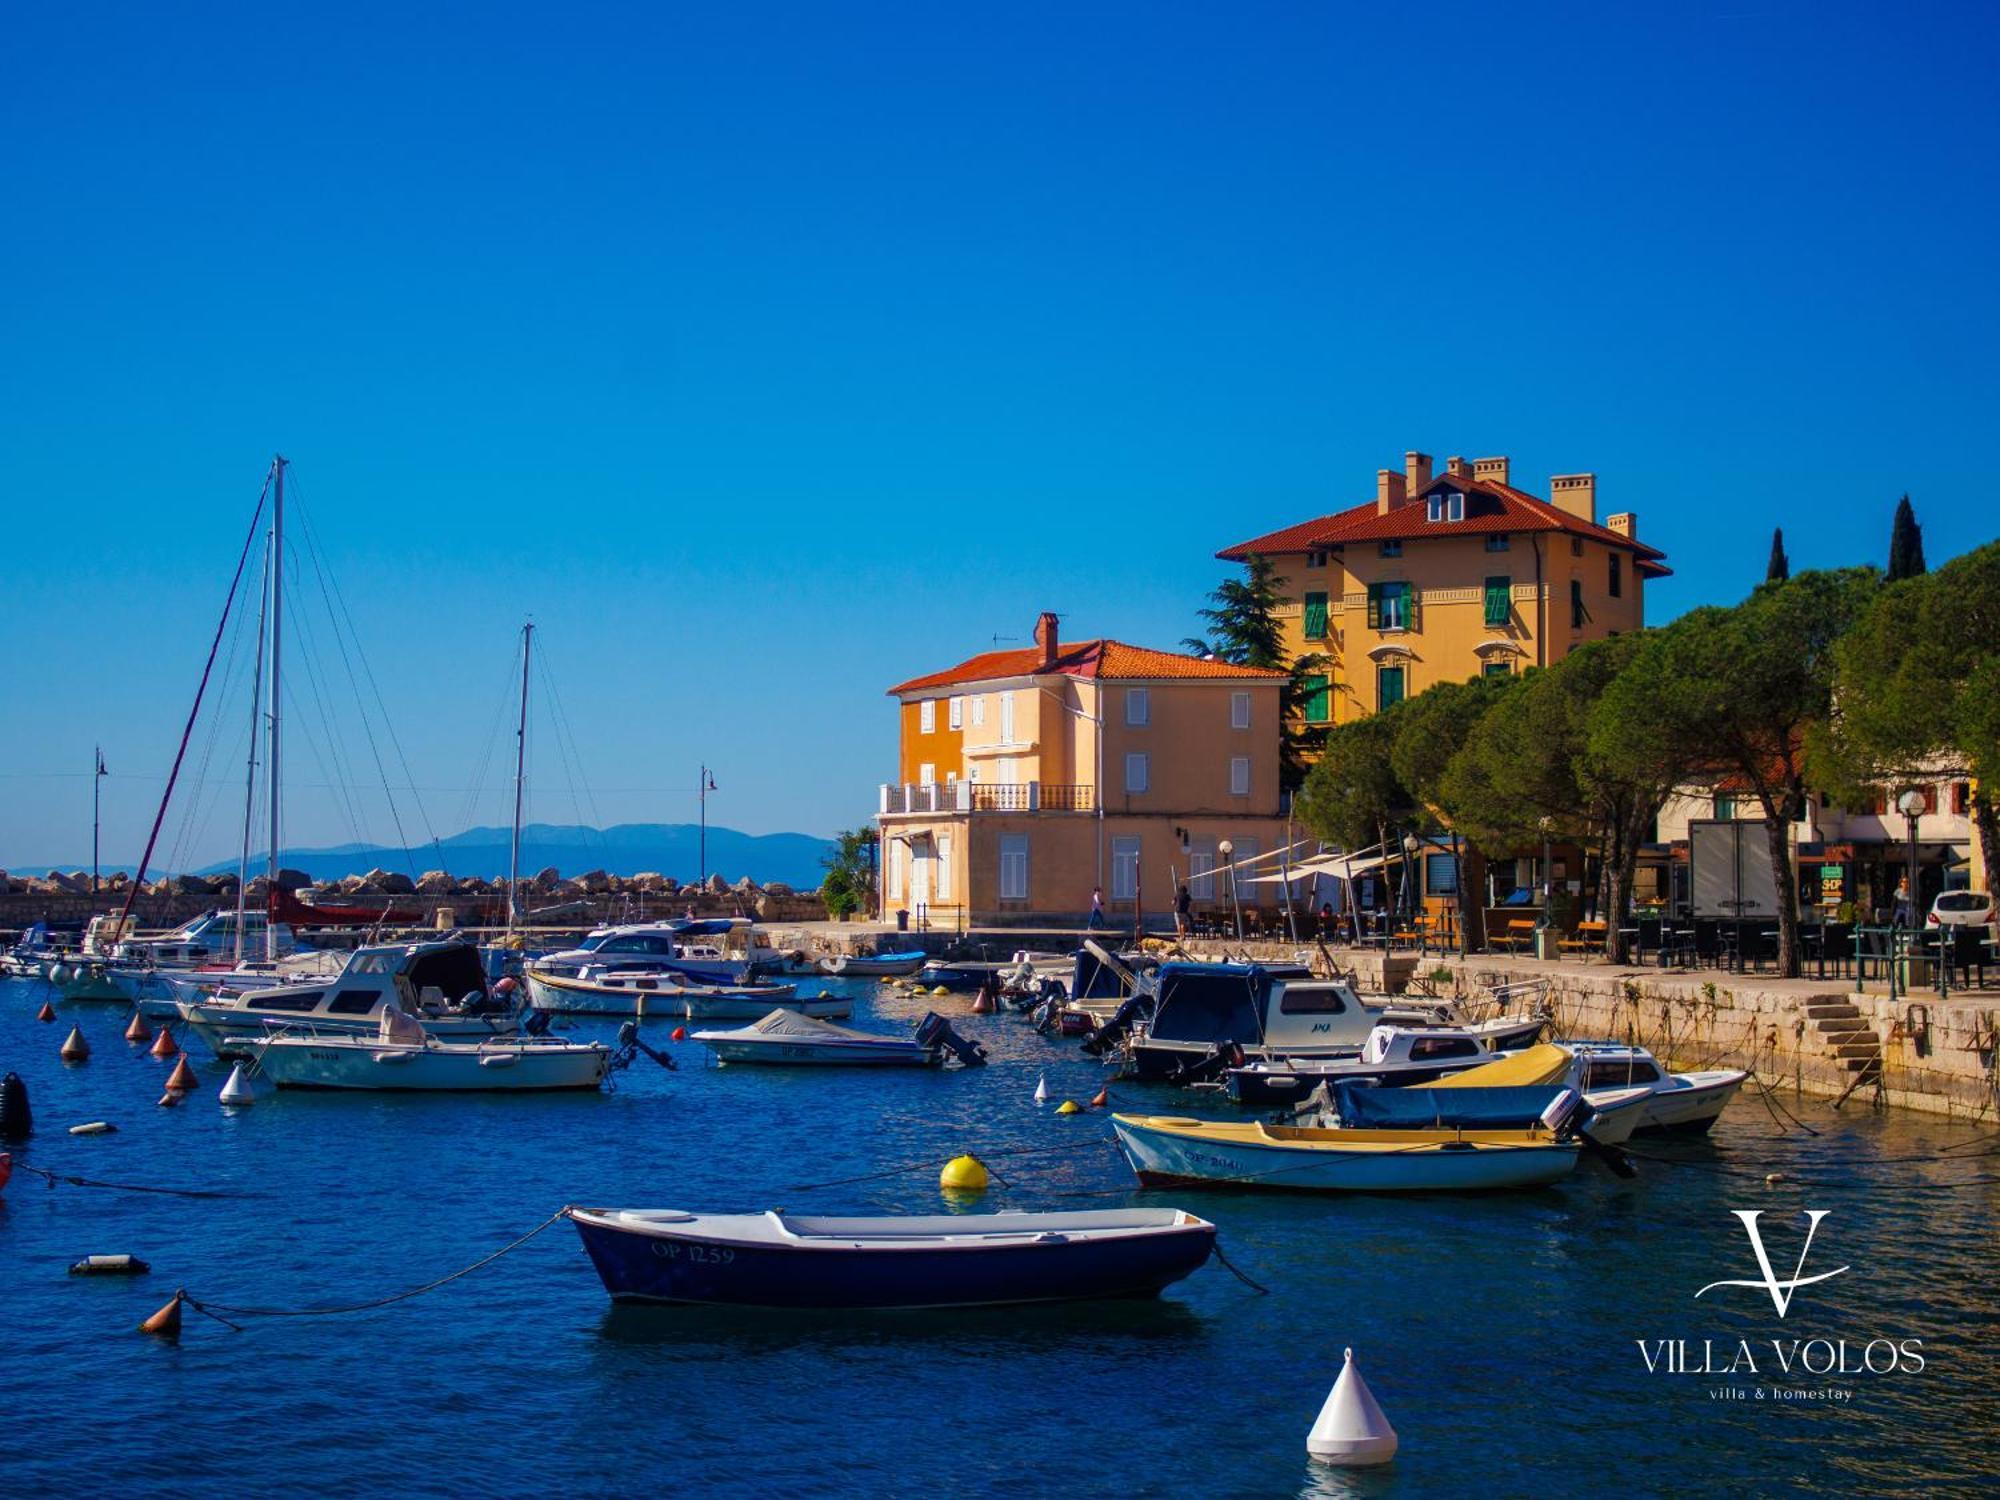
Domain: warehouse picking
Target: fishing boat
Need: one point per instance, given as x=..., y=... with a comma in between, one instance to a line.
x=442, y=986
x=400, y=1055
x=1680, y=1103
x=661, y=992
x=786, y=1260
x=1377, y=1148
x=1393, y=1056
x=786, y=1037
x=871, y=965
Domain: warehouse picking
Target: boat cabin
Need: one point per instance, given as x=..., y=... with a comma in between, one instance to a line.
x=207, y=939
x=1255, y=1005
x=1614, y=1065
x=420, y=978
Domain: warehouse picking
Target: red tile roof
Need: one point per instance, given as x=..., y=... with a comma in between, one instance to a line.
x=1504, y=508
x=1093, y=659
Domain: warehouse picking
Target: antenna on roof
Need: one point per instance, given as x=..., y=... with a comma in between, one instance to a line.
x=999, y=638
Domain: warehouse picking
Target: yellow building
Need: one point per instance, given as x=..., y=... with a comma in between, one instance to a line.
x=1449, y=576
x=1026, y=778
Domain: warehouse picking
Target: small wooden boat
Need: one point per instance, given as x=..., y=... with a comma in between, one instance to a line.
x=1254, y=1154
x=402, y=1056
x=788, y=1038
x=872, y=965
x=778, y=1259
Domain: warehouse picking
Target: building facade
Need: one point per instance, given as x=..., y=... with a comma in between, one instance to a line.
x=1028, y=778
x=1449, y=576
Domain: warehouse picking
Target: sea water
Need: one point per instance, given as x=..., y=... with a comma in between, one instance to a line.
x=1539, y=1343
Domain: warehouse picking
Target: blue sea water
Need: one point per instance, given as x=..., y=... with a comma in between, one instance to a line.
x=1502, y=1334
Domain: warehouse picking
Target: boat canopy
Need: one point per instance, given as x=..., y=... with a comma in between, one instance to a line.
x=1210, y=1003
x=1365, y=1106
x=453, y=969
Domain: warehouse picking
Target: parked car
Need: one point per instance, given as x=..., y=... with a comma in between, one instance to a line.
x=1962, y=909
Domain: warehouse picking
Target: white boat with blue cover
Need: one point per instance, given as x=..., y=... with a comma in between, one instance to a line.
x=787, y=1038
x=667, y=992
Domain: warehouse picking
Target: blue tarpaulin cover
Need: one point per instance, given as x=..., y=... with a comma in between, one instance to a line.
x=1363, y=1106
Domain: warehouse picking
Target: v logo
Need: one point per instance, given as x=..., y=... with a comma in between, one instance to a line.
x=1781, y=1291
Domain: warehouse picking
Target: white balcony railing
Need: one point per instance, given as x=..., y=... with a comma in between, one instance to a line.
x=985, y=797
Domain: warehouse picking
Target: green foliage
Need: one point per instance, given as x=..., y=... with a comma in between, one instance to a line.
x=849, y=885
x=1352, y=793
x=1780, y=566
x=1906, y=543
x=1431, y=727
x=1243, y=619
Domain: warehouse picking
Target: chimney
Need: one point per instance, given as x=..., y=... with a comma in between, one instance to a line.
x=1494, y=469
x=1625, y=523
x=1389, y=491
x=1575, y=493
x=1047, y=639
x=1416, y=473
x=1458, y=466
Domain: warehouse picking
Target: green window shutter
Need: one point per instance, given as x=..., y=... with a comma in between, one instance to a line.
x=1315, y=699
x=1388, y=686
x=1315, y=617
x=1409, y=605
x=1499, y=601
x=1374, y=606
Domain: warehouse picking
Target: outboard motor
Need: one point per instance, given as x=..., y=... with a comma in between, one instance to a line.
x=935, y=1031
x=537, y=1022
x=1113, y=1031
x=17, y=1120
x=1211, y=1064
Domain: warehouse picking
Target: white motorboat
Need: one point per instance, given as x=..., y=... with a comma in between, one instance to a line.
x=1392, y=1056
x=442, y=985
x=402, y=1056
x=871, y=965
x=789, y=1038
x=1680, y=1103
x=663, y=992
x=740, y=955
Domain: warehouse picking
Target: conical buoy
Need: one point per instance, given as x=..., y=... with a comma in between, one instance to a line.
x=1042, y=1090
x=182, y=1078
x=75, y=1049
x=1351, y=1430
x=46, y=1013
x=1101, y=1098
x=170, y=1098
x=680, y=1033
x=138, y=1031
x=983, y=1003
x=167, y=1321
x=237, y=1090
x=963, y=1174
x=1069, y=1107
x=163, y=1044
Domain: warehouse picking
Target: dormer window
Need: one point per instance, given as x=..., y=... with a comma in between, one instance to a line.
x=1447, y=505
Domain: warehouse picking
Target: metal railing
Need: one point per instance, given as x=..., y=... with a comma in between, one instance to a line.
x=986, y=797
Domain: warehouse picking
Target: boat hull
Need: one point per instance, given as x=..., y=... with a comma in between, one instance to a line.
x=1161, y=1157
x=890, y=1053
x=658, y=1267
x=233, y=1034
x=1261, y=1090
x=581, y=997
x=322, y=1064
x=1688, y=1111
x=880, y=966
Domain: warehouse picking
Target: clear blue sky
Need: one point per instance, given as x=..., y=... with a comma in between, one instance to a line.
x=770, y=354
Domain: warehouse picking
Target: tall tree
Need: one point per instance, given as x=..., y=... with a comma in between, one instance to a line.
x=1352, y=794
x=1738, y=691
x=1243, y=630
x=1780, y=566
x=850, y=873
x=1906, y=543
x=1430, y=728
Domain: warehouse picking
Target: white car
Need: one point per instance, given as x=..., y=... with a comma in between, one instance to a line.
x=1962, y=909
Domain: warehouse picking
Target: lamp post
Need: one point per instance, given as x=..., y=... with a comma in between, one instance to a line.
x=1411, y=844
x=1911, y=805
x=1227, y=850
x=705, y=784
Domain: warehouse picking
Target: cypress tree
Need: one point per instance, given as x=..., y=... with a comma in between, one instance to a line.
x=1780, y=566
x=1906, y=543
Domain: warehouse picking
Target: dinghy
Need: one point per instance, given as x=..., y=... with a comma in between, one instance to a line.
x=402, y=1056
x=872, y=965
x=778, y=1259
x=789, y=1038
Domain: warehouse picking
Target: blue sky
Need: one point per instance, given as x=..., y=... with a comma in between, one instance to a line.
x=769, y=354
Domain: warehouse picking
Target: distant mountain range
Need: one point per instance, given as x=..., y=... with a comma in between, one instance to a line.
x=627, y=849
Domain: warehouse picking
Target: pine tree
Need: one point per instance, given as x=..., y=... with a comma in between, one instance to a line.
x=1780, y=566
x=1906, y=543
x=1243, y=619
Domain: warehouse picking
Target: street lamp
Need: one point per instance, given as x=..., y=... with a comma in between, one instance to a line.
x=1227, y=850
x=1411, y=844
x=1911, y=805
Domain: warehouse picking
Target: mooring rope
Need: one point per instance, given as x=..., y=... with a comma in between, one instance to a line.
x=126, y=1187
x=1230, y=1266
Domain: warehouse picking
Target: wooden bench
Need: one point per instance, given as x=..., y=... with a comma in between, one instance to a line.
x=1588, y=937
x=1518, y=932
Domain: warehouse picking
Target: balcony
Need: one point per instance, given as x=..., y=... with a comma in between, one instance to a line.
x=985, y=797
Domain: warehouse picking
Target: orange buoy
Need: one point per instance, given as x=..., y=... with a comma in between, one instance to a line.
x=680, y=1033
x=138, y=1031
x=75, y=1049
x=182, y=1078
x=169, y=1099
x=163, y=1044
x=167, y=1321
x=46, y=1013
x=1101, y=1098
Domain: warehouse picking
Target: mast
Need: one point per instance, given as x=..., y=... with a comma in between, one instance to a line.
x=96, y=793
x=276, y=621
x=250, y=771
x=520, y=780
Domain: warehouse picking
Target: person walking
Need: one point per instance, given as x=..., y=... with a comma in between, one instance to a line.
x=1183, y=906
x=1096, y=906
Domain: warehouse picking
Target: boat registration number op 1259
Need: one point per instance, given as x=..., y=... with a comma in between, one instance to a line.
x=716, y=1255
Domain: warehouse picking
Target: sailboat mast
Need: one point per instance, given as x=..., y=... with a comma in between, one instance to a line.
x=276, y=622
x=520, y=781
x=250, y=771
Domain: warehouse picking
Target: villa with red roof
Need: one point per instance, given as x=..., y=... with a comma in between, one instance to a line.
x=1449, y=576
x=1027, y=778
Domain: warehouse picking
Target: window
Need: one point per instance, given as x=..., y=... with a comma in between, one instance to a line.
x=1311, y=1000
x=926, y=774
x=1617, y=576
x=1315, y=698
x=1388, y=687
x=1006, y=718
x=1725, y=807
x=1499, y=601
x=352, y=1002
x=1390, y=606
x=297, y=1001
x=1447, y=505
x=958, y=713
x=979, y=711
x=1201, y=875
x=927, y=716
x=1239, y=775
x=1612, y=1074
x=1138, y=773
x=1391, y=549
x=1431, y=1047
x=1013, y=867
x=1315, y=559
x=1499, y=666
x=1125, y=867
x=1576, y=546
x=1577, y=613
x=1315, y=617
x=944, y=866
x=1440, y=874
x=1961, y=797
x=1138, y=707
x=1498, y=542
x=1239, y=710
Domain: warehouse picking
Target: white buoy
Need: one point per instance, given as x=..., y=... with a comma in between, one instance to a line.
x=1042, y=1090
x=1351, y=1430
x=237, y=1090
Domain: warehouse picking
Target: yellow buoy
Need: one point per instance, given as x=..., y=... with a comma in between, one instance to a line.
x=1069, y=1107
x=963, y=1174
x=941, y=990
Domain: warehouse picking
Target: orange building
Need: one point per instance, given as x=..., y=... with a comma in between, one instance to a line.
x=1448, y=576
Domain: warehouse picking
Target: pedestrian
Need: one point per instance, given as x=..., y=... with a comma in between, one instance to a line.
x=1906, y=914
x=1097, y=906
x=1183, y=906
x=1325, y=920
